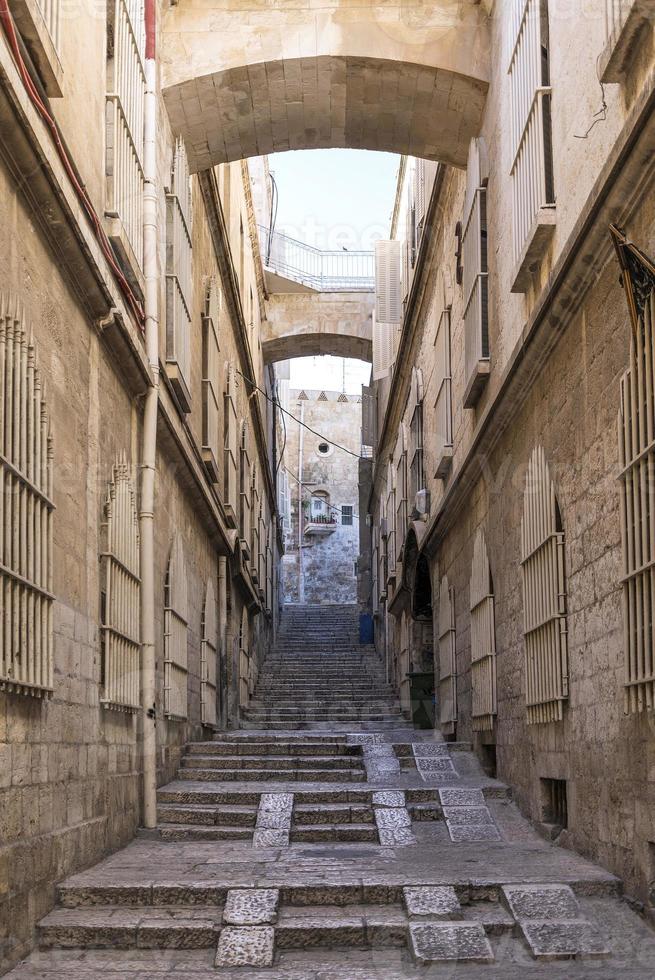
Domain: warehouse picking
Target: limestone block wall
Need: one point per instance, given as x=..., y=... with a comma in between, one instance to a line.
x=327, y=573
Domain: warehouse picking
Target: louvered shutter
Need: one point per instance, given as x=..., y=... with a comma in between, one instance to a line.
x=388, y=308
x=368, y=417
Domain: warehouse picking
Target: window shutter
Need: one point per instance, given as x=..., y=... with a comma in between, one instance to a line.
x=447, y=659
x=209, y=658
x=483, y=639
x=388, y=301
x=176, y=620
x=474, y=252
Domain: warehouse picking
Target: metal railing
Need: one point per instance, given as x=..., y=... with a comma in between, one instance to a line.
x=327, y=271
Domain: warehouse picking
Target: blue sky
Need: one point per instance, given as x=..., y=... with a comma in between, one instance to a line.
x=335, y=198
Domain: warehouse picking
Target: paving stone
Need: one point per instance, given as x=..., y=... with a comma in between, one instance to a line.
x=436, y=942
x=276, y=802
x=436, y=902
x=541, y=901
x=396, y=837
x=389, y=798
x=461, y=797
x=246, y=946
x=362, y=739
x=436, y=764
x=274, y=820
x=270, y=838
x=462, y=832
x=467, y=815
x=425, y=750
x=251, y=906
x=552, y=940
x=390, y=818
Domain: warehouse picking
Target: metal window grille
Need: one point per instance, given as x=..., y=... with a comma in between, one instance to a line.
x=178, y=272
x=444, y=402
x=230, y=442
x=637, y=487
x=175, y=634
x=209, y=658
x=51, y=13
x=244, y=660
x=475, y=269
x=447, y=660
x=124, y=118
x=26, y=515
x=245, y=489
x=210, y=382
x=347, y=515
x=544, y=596
x=121, y=619
x=483, y=639
x=531, y=138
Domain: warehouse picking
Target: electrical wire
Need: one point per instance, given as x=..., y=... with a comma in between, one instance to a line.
x=80, y=191
x=317, y=496
x=320, y=435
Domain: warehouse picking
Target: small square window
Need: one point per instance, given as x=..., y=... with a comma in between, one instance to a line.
x=347, y=515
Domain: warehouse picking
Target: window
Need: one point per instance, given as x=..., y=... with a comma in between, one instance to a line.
x=401, y=491
x=39, y=25
x=320, y=506
x=26, y=516
x=175, y=634
x=347, y=515
x=179, y=283
x=447, y=660
x=417, y=477
x=121, y=585
x=554, y=802
x=210, y=373
x=391, y=519
x=245, y=669
x=475, y=274
x=126, y=93
x=624, y=21
x=230, y=446
x=444, y=404
x=483, y=639
x=255, y=520
x=324, y=449
x=544, y=596
x=209, y=658
x=533, y=213
x=637, y=465
x=245, y=491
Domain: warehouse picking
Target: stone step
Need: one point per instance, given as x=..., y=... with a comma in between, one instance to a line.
x=271, y=762
x=194, y=813
x=174, y=832
x=127, y=928
x=379, y=725
x=343, y=833
x=332, y=813
x=248, y=747
x=358, y=927
x=266, y=775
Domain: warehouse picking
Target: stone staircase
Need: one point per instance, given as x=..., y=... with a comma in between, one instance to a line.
x=319, y=675
x=337, y=847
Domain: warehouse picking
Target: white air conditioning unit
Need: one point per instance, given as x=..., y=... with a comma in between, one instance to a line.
x=421, y=506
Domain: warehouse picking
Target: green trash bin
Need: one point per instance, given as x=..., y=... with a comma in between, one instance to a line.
x=421, y=693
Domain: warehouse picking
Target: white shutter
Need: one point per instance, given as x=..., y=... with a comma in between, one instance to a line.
x=388, y=307
x=383, y=347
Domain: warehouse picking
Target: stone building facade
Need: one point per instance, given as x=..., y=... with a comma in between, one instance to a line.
x=76, y=372
x=322, y=540
x=504, y=549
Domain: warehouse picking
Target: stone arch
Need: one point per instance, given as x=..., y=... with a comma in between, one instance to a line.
x=405, y=78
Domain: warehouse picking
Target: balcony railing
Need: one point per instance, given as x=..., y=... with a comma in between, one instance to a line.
x=326, y=271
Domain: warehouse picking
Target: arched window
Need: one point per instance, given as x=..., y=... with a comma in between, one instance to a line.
x=637, y=463
x=209, y=657
x=121, y=593
x=26, y=515
x=244, y=659
x=447, y=660
x=544, y=596
x=483, y=639
x=175, y=634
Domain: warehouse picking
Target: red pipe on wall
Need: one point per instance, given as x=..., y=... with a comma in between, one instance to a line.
x=130, y=297
x=151, y=16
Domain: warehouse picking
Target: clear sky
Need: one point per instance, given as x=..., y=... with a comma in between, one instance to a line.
x=335, y=198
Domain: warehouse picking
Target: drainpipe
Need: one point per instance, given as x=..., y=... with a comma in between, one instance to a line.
x=301, y=576
x=149, y=452
x=222, y=618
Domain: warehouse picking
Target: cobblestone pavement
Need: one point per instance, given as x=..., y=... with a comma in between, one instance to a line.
x=340, y=854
